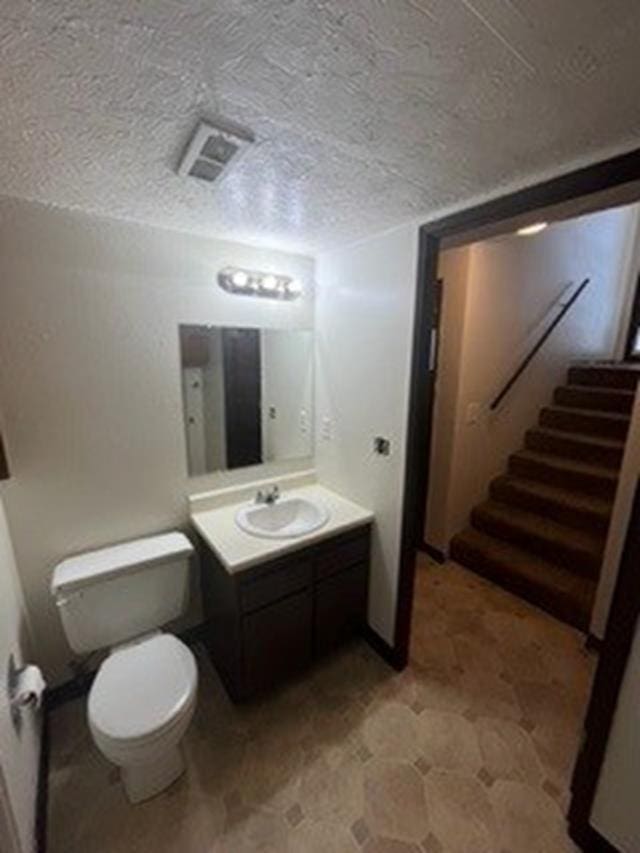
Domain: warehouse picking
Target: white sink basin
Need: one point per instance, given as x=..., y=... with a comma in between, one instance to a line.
x=287, y=518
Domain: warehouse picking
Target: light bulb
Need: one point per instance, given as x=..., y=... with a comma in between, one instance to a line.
x=294, y=288
x=530, y=230
x=239, y=278
x=269, y=282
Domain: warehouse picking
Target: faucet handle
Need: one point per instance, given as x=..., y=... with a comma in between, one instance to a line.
x=259, y=498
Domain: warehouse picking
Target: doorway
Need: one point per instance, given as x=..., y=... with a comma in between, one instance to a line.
x=607, y=184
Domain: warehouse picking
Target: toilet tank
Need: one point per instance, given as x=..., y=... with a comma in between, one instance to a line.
x=114, y=594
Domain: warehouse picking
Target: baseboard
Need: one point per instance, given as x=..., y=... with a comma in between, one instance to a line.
x=76, y=687
x=593, y=643
x=195, y=634
x=435, y=553
x=42, y=795
x=589, y=840
x=386, y=651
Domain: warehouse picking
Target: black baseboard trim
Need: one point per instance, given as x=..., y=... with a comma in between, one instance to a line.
x=195, y=634
x=382, y=647
x=589, y=840
x=593, y=643
x=435, y=553
x=42, y=794
x=76, y=687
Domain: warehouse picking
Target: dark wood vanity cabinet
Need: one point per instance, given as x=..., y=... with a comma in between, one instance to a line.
x=269, y=622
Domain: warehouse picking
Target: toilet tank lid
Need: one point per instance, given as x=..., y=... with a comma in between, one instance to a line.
x=83, y=569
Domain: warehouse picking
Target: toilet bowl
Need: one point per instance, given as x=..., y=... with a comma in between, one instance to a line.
x=140, y=705
x=144, y=694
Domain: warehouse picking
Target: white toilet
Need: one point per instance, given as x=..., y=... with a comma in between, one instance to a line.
x=144, y=694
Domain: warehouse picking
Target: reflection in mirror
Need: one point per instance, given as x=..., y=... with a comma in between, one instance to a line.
x=247, y=396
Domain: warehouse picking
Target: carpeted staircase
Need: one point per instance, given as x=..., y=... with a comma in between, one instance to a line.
x=542, y=532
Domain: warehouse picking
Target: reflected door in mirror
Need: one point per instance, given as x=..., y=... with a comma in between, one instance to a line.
x=242, y=370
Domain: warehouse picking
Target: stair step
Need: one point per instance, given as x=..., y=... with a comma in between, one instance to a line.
x=567, y=474
x=574, y=445
x=608, y=376
x=589, y=397
x=575, y=509
x=567, y=596
x=585, y=421
x=574, y=550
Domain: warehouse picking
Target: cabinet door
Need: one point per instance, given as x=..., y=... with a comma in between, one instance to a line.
x=277, y=641
x=341, y=603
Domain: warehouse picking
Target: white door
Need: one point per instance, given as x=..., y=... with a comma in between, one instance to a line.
x=19, y=744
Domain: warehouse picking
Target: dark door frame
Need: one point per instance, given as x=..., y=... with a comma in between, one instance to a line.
x=600, y=177
x=634, y=325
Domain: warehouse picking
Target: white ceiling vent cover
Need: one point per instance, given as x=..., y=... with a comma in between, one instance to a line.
x=211, y=149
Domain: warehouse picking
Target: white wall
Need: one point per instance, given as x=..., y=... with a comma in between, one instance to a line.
x=19, y=745
x=615, y=811
x=364, y=316
x=90, y=387
x=511, y=283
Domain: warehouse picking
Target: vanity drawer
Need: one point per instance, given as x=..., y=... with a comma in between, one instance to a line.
x=342, y=553
x=284, y=579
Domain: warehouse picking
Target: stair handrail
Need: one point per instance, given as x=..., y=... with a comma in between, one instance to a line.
x=522, y=366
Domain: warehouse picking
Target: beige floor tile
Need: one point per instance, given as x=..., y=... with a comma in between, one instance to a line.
x=449, y=741
x=390, y=845
x=331, y=789
x=395, y=804
x=390, y=731
x=250, y=831
x=508, y=751
x=528, y=820
x=460, y=813
x=323, y=837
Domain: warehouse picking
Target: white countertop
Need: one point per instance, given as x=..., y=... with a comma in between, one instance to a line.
x=238, y=550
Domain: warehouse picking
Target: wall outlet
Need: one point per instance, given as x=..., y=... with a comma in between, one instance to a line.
x=304, y=421
x=326, y=429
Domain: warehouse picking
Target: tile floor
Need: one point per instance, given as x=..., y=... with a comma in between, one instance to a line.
x=467, y=751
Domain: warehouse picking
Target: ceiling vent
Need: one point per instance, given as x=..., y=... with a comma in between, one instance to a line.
x=212, y=147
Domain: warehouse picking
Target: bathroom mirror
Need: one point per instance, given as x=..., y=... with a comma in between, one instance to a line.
x=247, y=396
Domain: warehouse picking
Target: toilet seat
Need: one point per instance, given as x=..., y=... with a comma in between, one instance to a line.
x=142, y=691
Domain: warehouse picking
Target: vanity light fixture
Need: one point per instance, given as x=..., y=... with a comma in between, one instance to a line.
x=530, y=230
x=253, y=283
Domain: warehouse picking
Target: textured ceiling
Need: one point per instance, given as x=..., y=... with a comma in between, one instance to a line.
x=366, y=112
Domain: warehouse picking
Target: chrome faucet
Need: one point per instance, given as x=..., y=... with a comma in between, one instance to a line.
x=270, y=496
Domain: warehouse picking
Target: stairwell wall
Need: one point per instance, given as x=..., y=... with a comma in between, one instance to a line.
x=497, y=310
